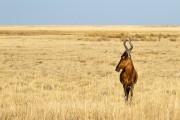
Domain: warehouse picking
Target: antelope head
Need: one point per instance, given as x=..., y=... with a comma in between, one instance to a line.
x=125, y=57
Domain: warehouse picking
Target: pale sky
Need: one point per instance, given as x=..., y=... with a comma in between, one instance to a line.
x=89, y=12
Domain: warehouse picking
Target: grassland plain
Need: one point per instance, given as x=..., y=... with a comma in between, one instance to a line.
x=68, y=73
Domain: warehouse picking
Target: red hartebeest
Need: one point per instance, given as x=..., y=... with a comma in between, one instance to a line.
x=128, y=76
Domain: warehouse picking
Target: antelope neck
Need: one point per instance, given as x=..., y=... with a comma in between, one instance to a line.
x=129, y=67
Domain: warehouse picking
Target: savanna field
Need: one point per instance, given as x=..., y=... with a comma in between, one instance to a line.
x=68, y=73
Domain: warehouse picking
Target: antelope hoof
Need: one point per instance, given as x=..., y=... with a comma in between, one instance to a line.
x=126, y=98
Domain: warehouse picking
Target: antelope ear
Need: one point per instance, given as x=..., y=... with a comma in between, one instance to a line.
x=124, y=54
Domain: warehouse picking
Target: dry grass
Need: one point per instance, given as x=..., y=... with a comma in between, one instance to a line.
x=69, y=73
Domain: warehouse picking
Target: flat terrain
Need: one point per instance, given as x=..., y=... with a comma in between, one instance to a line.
x=68, y=73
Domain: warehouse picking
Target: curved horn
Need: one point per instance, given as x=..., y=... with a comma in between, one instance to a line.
x=128, y=51
x=131, y=45
x=125, y=44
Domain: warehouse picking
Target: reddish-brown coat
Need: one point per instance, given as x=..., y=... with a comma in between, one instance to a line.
x=128, y=75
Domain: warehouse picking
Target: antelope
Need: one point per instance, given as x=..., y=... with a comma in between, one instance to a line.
x=128, y=75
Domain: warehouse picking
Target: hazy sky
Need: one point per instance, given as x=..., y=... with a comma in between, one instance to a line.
x=89, y=12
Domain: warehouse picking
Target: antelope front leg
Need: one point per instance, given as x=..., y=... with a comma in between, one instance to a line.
x=125, y=93
x=132, y=88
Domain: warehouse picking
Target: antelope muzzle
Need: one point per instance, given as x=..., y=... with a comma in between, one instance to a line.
x=117, y=68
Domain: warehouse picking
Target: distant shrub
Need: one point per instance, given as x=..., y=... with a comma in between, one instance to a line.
x=172, y=39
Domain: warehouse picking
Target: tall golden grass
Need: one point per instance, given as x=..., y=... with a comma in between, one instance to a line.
x=68, y=73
